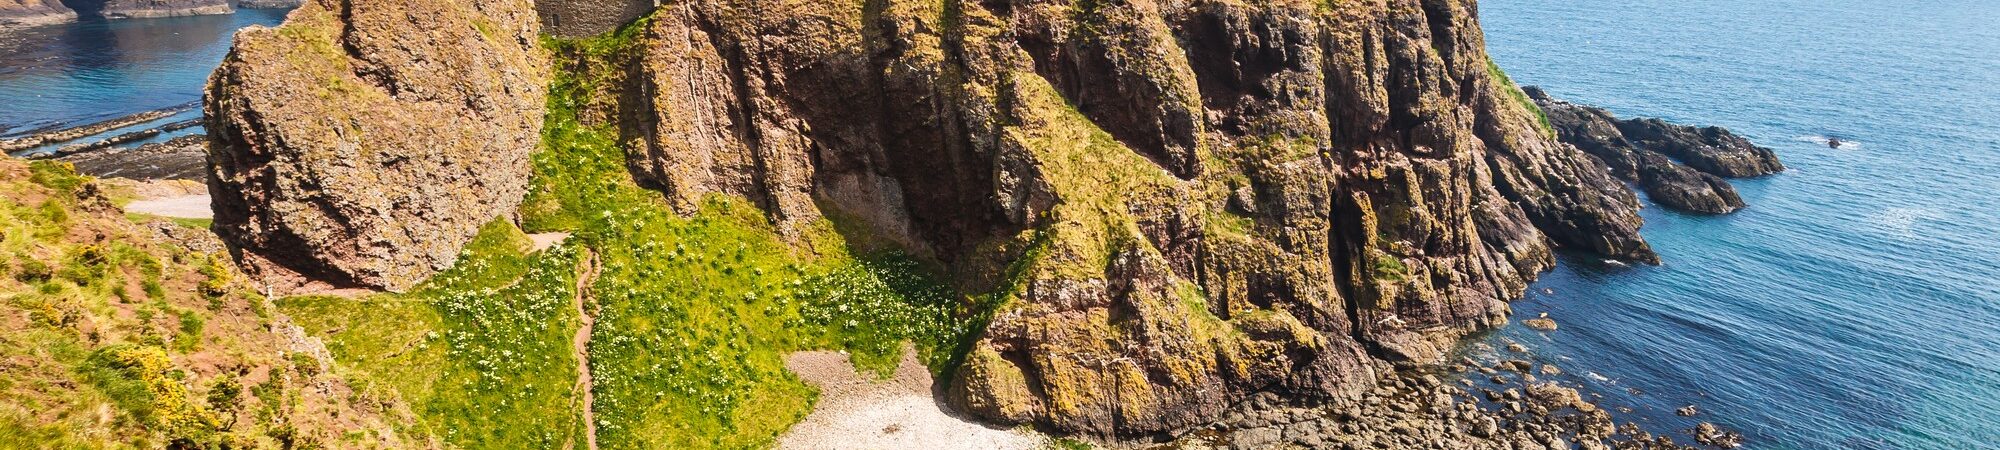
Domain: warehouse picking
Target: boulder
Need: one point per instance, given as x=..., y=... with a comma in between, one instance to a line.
x=364, y=142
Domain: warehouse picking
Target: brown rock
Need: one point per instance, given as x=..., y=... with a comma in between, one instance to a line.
x=1541, y=323
x=351, y=150
x=24, y=13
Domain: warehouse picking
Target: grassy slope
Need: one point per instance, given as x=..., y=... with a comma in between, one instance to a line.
x=110, y=339
x=1520, y=97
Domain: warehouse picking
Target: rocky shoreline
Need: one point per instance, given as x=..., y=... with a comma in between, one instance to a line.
x=57, y=136
x=181, y=158
x=1467, y=405
x=28, y=13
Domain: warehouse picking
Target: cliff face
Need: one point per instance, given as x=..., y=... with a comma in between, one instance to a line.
x=21, y=13
x=1173, y=204
x=349, y=149
x=1181, y=202
x=1679, y=166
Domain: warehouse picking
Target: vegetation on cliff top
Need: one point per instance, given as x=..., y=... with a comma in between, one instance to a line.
x=1521, y=98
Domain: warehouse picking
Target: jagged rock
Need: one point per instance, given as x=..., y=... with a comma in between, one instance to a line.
x=1711, y=149
x=1711, y=435
x=25, y=13
x=1644, y=151
x=364, y=142
x=1678, y=186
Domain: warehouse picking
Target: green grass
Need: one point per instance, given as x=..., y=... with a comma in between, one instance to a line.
x=480, y=352
x=1521, y=97
x=697, y=312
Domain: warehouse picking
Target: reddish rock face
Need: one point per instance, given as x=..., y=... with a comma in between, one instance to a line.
x=348, y=149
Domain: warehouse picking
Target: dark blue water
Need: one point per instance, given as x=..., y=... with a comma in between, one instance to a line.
x=73, y=74
x=1856, y=304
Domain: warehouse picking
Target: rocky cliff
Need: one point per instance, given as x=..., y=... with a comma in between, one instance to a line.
x=1181, y=202
x=352, y=150
x=21, y=13
x=1679, y=166
x=1170, y=204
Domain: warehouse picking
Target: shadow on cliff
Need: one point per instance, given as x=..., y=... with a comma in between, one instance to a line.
x=87, y=9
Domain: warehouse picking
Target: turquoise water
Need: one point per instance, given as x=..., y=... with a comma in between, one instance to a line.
x=1856, y=304
x=86, y=72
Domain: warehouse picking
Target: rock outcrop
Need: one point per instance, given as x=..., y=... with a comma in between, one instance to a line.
x=579, y=18
x=1678, y=166
x=24, y=13
x=364, y=142
x=1180, y=203
x=145, y=9
x=268, y=4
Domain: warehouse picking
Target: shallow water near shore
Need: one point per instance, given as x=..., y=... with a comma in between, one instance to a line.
x=74, y=74
x=1856, y=303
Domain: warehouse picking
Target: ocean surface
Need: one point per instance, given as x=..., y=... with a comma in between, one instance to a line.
x=86, y=72
x=1856, y=303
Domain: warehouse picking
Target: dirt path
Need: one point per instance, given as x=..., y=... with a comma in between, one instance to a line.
x=856, y=411
x=186, y=207
x=587, y=312
x=542, y=241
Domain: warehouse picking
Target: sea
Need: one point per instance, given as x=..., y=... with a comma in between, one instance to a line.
x=59, y=76
x=1854, y=305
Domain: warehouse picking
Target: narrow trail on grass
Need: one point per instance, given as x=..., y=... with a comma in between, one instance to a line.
x=586, y=312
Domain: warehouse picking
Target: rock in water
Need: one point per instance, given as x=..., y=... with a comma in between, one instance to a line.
x=1544, y=324
x=364, y=142
x=25, y=13
x=146, y=9
x=1651, y=162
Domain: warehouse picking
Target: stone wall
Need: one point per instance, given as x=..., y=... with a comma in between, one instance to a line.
x=579, y=18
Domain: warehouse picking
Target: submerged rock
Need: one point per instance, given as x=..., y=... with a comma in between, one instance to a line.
x=352, y=149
